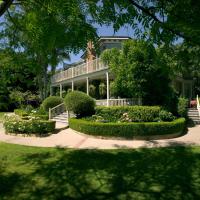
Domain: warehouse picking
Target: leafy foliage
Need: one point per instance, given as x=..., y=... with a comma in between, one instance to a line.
x=80, y=103
x=182, y=107
x=166, y=116
x=139, y=72
x=16, y=125
x=127, y=130
x=135, y=113
x=44, y=30
x=160, y=21
x=51, y=102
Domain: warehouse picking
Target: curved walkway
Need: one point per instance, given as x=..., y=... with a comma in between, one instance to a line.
x=72, y=139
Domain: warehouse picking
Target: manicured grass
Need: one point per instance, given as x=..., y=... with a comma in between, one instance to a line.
x=53, y=174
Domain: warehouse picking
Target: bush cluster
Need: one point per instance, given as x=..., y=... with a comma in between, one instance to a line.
x=25, y=114
x=182, y=107
x=127, y=130
x=21, y=112
x=166, y=116
x=14, y=124
x=80, y=104
x=51, y=102
x=134, y=113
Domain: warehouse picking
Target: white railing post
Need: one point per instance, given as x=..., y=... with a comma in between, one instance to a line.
x=61, y=90
x=198, y=105
x=72, y=72
x=59, y=108
x=49, y=113
x=108, y=92
x=87, y=85
x=68, y=115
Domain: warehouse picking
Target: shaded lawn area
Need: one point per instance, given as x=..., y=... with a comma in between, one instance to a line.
x=55, y=174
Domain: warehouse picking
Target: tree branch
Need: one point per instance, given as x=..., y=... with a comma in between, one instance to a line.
x=4, y=6
x=165, y=26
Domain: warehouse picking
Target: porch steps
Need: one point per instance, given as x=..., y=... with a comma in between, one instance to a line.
x=193, y=115
x=61, y=120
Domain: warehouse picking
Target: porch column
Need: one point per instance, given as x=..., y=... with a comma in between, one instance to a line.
x=87, y=85
x=108, y=91
x=72, y=85
x=51, y=90
x=61, y=90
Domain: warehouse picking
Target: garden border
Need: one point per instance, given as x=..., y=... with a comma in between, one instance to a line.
x=176, y=127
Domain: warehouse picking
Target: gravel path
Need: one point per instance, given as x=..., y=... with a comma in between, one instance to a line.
x=72, y=139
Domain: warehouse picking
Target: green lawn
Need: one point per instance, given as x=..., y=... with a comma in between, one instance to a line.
x=28, y=173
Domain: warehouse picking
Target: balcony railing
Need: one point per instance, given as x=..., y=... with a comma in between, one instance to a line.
x=85, y=68
x=119, y=102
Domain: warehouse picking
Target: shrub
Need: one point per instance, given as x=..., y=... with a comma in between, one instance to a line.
x=80, y=103
x=135, y=113
x=42, y=117
x=166, y=116
x=14, y=124
x=21, y=112
x=127, y=130
x=17, y=97
x=51, y=102
x=182, y=107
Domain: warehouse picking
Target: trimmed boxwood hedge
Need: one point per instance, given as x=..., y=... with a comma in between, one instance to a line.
x=29, y=126
x=80, y=104
x=127, y=130
x=51, y=102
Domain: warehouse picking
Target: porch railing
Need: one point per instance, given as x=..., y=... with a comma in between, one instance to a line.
x=53, y=112
x=85, y=68
x=119, y=102
x=198, y=105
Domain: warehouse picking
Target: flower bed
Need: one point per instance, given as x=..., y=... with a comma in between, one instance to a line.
x=128, y=130
x=133, y=114
x=14, y=124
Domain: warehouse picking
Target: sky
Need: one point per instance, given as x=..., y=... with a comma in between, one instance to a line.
x=105, y=31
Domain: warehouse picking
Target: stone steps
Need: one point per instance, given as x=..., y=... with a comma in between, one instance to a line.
x=61, y=120
x=193, y=115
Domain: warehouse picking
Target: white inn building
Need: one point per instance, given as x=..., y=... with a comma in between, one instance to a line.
x=91, y=68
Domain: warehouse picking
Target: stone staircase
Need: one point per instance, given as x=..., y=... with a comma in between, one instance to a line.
x=193, y=115
x=61, y=120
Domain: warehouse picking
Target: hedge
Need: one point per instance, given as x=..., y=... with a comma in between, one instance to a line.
x=136, y=113
x=80, y=104
x=127, y=130
x=21, y=112
x=51, y=102
x=29, y=126
x=25, y=115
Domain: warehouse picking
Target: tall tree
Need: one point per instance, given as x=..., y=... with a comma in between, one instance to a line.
x=48, y=30
x=139, y=72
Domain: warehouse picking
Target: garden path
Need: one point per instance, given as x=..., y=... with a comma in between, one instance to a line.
x=72, y=139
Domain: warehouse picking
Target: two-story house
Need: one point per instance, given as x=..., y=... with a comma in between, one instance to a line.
x=90, y=68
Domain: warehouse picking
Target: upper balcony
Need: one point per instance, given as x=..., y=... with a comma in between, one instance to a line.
x=82, y=69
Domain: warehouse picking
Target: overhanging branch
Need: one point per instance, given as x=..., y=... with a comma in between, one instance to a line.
x=165, y=26
x=4, y=6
